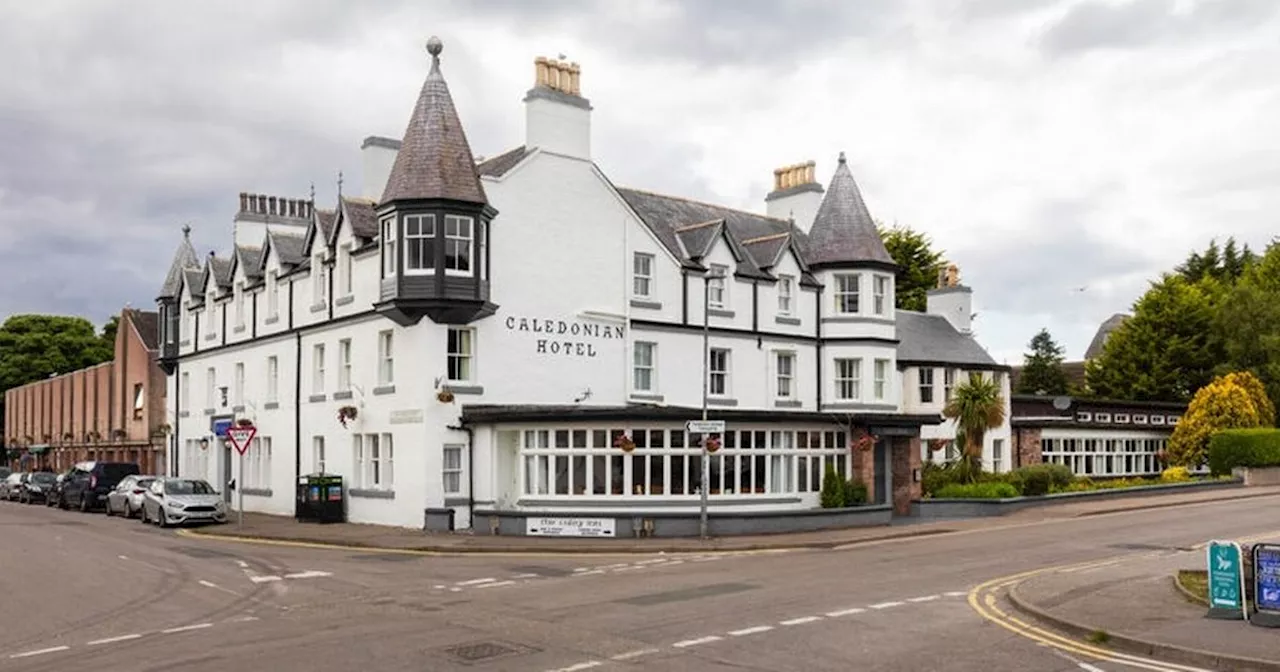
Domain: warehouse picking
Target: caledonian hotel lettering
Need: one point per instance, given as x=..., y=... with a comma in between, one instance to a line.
x=557, y=330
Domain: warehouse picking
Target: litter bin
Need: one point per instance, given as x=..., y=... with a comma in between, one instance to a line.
x=321, y=498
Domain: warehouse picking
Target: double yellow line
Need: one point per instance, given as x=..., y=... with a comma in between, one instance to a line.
x=983, y=600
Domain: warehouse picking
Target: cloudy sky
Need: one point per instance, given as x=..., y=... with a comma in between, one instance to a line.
x=1045, y=145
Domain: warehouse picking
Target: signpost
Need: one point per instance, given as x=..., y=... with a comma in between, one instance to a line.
x=1266, y=586
x=240, y=437
x=704, y=426
x=1226, y=581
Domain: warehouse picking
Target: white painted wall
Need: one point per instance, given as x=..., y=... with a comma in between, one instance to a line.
x=377, y=160
x=557, y=127
x=802, y=207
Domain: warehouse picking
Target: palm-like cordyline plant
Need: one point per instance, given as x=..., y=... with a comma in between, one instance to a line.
x=977, y=406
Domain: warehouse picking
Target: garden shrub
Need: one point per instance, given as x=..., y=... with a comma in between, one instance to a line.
x=1257, y=447
x=1175, y=475
x=1234, y=401
x=855, y=493
x=832, y=489
x=1041, y=479
x=933, y=477
x=987, y=490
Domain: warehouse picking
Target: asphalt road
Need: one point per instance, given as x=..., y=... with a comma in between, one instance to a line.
x=82, y=591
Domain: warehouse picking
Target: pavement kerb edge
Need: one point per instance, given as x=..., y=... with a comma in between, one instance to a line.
x=543, y=551
x=1191, y=597
x=1157, y=505
x=1135, y=645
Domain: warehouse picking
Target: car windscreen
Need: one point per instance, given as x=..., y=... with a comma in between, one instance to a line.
x=43, y=477
x=114, y=471
x=188, y=488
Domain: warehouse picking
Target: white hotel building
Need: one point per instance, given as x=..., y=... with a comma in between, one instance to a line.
x=497, y=324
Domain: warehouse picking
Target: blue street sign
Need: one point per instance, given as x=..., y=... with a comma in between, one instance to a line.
x=1266, y=585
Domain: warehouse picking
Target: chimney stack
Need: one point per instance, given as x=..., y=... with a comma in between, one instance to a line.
x=378, y=154
x=796, y=194
x=557, y=117
x=951, y=300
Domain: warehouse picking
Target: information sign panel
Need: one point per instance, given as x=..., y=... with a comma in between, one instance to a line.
x=704, y=426
x=1226, y=580
x=541, y=526
x=1266, y=585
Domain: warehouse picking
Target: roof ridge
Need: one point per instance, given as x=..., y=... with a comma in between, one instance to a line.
x=706, y=203
x=766, y=238
x=359, y=199
x=699, y=225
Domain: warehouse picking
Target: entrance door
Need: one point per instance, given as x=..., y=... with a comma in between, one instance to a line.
x=884, y=483
x=226, y=471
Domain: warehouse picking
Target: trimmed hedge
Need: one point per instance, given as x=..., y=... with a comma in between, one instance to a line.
x=977, y=491
x=1256, y=447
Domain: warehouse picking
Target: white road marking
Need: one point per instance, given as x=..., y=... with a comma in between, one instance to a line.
x=956, y=593
x=711, y=559
x=242, y=619
x=580, y=666
x=242, y=564
x=800, y=621
x=633, y=654
x=695, y=642
x=581, y=569
x=185, y=628
x=751, y=631
x=621, y=564
x=112, y=640
x=675, y=562
x=309, y=574
x=495, y=585
x=455, y=589
x=629, y=568
x=886, y=605
x=845, y=612
x=124, y=557
x=264, y=579
x=28, y=654
x=654, y=561
x=525, y=576
x=208, y=584
x=1079, y=663
x=440, y=586
x=476, y=582
x=926, y=598
x=593, y=571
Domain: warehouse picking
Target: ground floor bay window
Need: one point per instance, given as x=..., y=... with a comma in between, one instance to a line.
x=666, y=462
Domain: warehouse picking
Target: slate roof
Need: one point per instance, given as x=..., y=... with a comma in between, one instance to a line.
x=1104, y=332
x=220, y=267
x=249, y=259
x=325, y=219
x=194, y=278
x=434, y=160
x=288, y=246
x=147, y=324
x=497, y=166
x=360, y=216
x=687, y=228
x=843, y=230
x=184, y=258
x=932, y=338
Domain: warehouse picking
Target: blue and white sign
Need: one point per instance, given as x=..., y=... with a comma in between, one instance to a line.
x=219, y=427
x=1266, y=577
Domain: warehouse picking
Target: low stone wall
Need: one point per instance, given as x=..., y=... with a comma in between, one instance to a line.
x=970, y=508
x=719, y=524
x=1257, y=475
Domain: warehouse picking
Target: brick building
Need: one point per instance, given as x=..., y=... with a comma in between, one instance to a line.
x=113, y=411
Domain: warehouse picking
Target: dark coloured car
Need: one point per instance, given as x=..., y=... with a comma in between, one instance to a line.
x=87, y=486
x=38, y=487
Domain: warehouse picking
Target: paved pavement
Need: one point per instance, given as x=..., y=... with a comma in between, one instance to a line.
x=83, y=591
x=349, y=534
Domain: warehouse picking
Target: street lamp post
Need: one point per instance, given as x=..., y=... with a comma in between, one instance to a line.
x=706, y=376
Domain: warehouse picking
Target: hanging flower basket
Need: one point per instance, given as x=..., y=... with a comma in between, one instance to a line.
x=864, y=441
x=938, y=444
x=244, y=422
x=444, y=396
x=346, y=414
x=713, y=443
x=625, y=443
x=67, y=436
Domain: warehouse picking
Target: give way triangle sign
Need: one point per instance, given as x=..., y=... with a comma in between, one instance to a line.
x=240, y=437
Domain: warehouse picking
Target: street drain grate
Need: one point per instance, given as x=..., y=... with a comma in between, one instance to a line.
x=474, y=652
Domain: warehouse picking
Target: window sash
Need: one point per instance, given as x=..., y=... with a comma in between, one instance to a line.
x=881, y=290
x=716, y=286
x=273, y=378
x=785, y=372
x=459, y=244
x=317, y=369
x=452, y=470
x=642, y=366
x=784, y=295
x=419, y=244
x=718, y=370
x=848, y=293
x=848, y=379
x=461, y=352
x=388, y=235
x=273, y=295
x=386, y=360
x=642, y=275
x=344, y=365
x=239, y=384
x=925, y=378
x=345, y=270
x=881, y=378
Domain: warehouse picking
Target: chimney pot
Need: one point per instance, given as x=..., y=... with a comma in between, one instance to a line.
x=293, y=208
x=272, y=206
x=262, y=205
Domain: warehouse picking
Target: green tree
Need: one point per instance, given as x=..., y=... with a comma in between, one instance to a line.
x=109, y=332
x=920, y=264
x=1220, y=263
x=1166, y=351
x=977, y=407
x=1233, y=401
x=1042, y=367
x=33, y=347
x=1248, y=322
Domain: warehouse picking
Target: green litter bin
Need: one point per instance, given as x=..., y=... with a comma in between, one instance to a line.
x=321, y=498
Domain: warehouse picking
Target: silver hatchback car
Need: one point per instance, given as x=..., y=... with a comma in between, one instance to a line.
x=174, y=501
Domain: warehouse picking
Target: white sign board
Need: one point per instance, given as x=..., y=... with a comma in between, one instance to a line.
x=705, y=426
x=569, y=527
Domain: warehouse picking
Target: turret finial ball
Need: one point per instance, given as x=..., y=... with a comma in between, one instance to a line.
x=435, y=46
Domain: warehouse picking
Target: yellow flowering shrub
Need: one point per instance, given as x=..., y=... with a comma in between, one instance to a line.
x=1228, y=402
x=1175, y=475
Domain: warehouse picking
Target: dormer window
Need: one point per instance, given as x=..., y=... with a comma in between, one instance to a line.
x=458, y=245
x=847, y=293
x=388, y=236
x=419, y=244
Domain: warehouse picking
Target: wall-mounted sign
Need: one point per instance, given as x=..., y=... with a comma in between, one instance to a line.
x=1266, y=585
x=569, y=527
x=1226, y=580
x=411, y=416
x=565, y=337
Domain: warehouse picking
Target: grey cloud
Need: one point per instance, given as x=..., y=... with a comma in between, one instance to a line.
x=1138, y=23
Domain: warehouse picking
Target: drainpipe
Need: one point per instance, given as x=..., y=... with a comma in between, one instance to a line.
x=817, y=332
x=177, y=419
x=471, y=472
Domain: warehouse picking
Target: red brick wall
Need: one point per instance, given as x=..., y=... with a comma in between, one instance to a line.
x=1026, y=446
x=905, y=456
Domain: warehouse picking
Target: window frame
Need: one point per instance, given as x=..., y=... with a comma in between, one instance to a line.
x=880, y=379
x=725, y=371
x=346, y=270
x=784, y=383
x=318, y=453
x=638, y=277
x=786, y=295
x=239, y=300
x=465, y=358
x=423, y=241
x=880, y=294
x=386, y=357
x=718, y=287
x=317, y=368
x=926, y=383
x=387, y=245
x=273, y=295
x=237, y=397
x=319, y=279
x=651, y=368
x=845, y=381
x=456, y=473
x=273, y=379
x=847, y=293
x=450, y=240
x=344, y=365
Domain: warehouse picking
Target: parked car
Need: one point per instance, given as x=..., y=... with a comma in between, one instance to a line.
x=4, y=473
x=37, y=487
x=126, y=498
x=174, y=501
x=87, y=485
x=12, y=485
x=54, y=495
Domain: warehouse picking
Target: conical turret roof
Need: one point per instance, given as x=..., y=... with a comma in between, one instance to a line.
x=843, y=231
x=434, y=160
x=183, y=259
